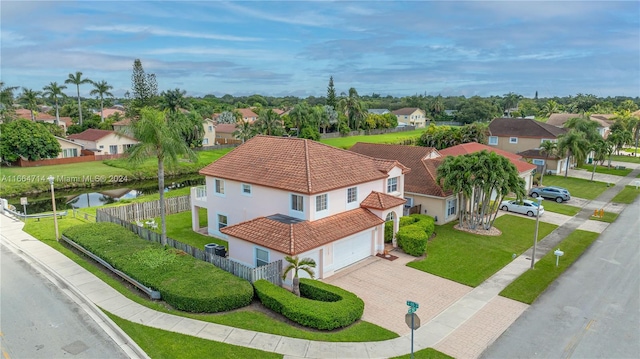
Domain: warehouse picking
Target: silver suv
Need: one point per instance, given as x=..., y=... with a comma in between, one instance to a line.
x=557, y=194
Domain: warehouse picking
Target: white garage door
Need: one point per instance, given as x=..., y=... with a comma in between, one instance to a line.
x=351, y=250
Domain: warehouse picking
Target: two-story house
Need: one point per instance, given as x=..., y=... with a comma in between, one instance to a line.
x=272, y=197
x=103, y=141
x=523, y=137
x=604, y=121
x=411, y=116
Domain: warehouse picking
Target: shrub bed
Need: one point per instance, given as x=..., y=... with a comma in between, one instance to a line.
x=413, y=236
x=321, y=305
x=388, y=227
x=185, y=283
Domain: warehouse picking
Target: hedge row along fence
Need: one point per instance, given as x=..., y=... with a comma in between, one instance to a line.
x=185, y=283
x=320, y=306
x=415, y=230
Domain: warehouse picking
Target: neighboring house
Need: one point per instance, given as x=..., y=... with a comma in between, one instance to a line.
x=224, y=131
x=523, y=137
x=103, y=141
x=247, y=115
x=65, y=122
x=69, y=148
x=412, y=116
x=209, y=138
x=122, y=126
x=274, y=197
x=378, y=111
x=604, y=121
x=111, y=111
x=421, y=188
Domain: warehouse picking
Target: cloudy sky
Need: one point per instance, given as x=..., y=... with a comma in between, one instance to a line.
x=276, y=48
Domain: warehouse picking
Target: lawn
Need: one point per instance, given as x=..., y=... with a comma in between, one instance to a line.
x=246, y=318
x=470, y=258
x=428, y=353
x=627, y=158
x=608, y=217
x=161, y=344
x=578, y=187
x=562, y=208
x=179, y=228
x=533, y=282
x=627, y=195
x=607, y=170
x=392, y=138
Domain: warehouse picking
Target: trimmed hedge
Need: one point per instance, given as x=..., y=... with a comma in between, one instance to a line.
x=413, y=237
x=321, y=305
x=388, y=227
x=186, y=283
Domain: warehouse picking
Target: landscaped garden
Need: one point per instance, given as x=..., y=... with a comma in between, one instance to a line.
x=578, y=187
x=533, y=282
x=472, y=258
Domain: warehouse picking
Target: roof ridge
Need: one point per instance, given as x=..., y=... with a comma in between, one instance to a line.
x=292, y=245
x=307, y=164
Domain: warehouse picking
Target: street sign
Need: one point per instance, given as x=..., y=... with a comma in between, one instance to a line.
x=413, y=304
x=23, y=201
x=416, y=320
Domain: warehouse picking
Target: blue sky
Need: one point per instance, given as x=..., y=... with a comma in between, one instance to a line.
x=275, y=48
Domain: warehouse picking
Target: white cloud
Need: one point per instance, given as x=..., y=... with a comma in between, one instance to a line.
x=137, y=29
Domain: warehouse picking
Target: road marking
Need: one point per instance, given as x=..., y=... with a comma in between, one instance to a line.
x=571, y=347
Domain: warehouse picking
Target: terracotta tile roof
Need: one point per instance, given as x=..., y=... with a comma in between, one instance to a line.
x=378, y=200
x=297, y=165
x=523, y=127
x=42, y=116
x=125, y=122
x=90, y=134
x=474, y=147
x=406, y=111
x=247, y=113
x=422, y=178
x=299, y=237
x=110, y=112
x=559, y=119
x=226, y=128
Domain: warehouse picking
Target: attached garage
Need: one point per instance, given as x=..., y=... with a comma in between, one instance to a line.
x=352, y=249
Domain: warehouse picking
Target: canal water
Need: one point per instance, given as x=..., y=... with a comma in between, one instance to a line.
x=98, y=196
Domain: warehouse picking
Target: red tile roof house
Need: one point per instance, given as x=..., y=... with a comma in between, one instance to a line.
x=421, y=187
x=272, y=197
x=65, y=122
x=248, y=115
x=103, y=141
x=524, y=137
x=604, y=121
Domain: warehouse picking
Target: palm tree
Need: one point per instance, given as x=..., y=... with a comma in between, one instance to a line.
x=549, y=148
x=550, y=108
x=30, y=100
x=585, y=125
x=77, y=80
x=52, y=90
x=101, y=89
x=619, y=138
x=244, y=130
x=599, y=149
x=269, y=122
x=573, y=144
x=6, y=100
x=354, y=109
x=173, y=100
x=437, y=105
x=163, y=141
x=296, y=265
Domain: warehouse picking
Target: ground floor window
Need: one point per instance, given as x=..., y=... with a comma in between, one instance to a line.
x=222, y=221
x=451, y=207
x=262, y=257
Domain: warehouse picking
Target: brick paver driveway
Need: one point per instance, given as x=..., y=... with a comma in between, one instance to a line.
x=385, y=286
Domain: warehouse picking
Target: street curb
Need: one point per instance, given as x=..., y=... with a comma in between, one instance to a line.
x=80, y=299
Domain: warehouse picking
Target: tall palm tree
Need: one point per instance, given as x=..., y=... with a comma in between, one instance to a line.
x=437, y=105
x=29, y=99
x=53, y=91
x=101, y=89
x=296, y=265
x=173, y=100
x=6, y=100
x=573, y=144
x=354, y=109
x=585, y=125
x=550, y=108
x=160, y=140
x=549, y=148
x=244, y=130
x=599, y=149
x=269, y=122
x=76, y=79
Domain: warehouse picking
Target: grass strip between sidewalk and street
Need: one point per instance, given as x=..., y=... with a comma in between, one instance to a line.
x=608, y=217
x=578, y=187
x=162, y=344
x=469, y=258
x=627, y=195
x=428, y=353
x=607, y=170
x=534, y=282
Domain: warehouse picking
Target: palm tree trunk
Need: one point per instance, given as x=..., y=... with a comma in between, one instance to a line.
x=33, y=116
x=566, y=168
x=57, y=113
x=101, y=109
x=595, y=163
x=296, y=286
x=163, y=238
x=79, y=106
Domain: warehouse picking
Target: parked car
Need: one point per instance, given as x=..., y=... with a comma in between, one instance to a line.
x=528, y=207
x=557, y=194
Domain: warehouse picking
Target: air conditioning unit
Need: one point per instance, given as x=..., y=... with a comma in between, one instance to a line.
x=409, y=202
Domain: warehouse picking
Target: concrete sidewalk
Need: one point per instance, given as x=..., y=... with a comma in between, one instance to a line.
x=459, y=330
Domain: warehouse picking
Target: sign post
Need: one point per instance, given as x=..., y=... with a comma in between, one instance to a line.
x=23, y=202
x=413, y=306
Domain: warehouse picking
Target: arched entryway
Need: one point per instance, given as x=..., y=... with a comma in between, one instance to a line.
x=391, y=226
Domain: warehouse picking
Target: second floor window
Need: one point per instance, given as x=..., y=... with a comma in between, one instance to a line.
x=392, y=184
x=219, y=186
x=246, y=188
x=352, y=194
x=297, y=203
x=321, y=202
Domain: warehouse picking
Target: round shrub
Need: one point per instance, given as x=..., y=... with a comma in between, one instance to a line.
x=321, y=305
x=413, y=237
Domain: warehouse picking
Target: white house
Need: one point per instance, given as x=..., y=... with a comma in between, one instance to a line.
x=103, y=141
x=411, y=116
x=273, y=196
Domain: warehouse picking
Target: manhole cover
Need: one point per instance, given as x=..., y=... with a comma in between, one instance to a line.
x=75, y=348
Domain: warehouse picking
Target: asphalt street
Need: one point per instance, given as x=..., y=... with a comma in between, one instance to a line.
x=39, y=321
x=592, y=310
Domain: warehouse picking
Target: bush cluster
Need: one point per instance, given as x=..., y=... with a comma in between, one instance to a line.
x=184, y=282
x=413, y=235
x=320, y=306
x=388, y=227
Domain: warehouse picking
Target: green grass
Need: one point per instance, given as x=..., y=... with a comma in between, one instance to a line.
x=428, y=353
x=470, y=258
x=162, y=344
x=608, y=217
x=245, y=318
x=392, y=138
x=623, y=158
x=533, y=282
x=179, y=228
x=607, y=170
x=631, y=150
x=578, y=187
x=561, y=208
x=627, y=195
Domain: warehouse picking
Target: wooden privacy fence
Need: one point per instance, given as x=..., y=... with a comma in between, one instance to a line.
x=140, y=211
x=270, y=272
